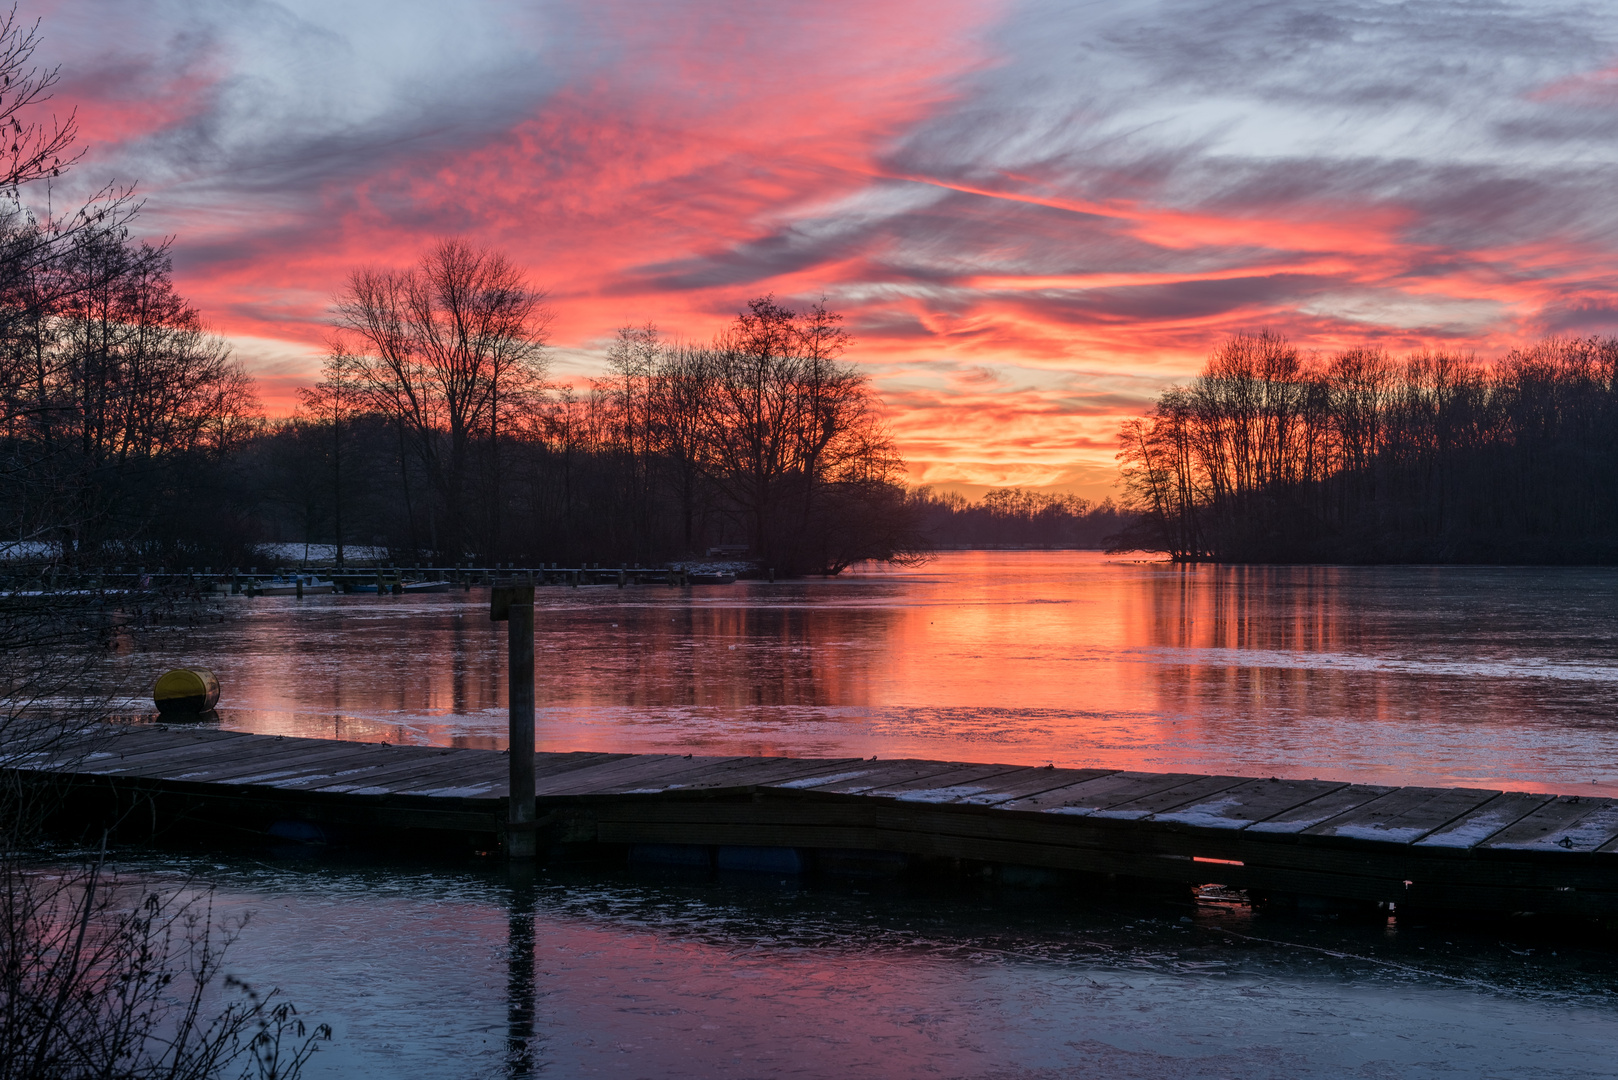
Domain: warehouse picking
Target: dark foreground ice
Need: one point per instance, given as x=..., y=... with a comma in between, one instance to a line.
x=1475, y=676
x=639, y=974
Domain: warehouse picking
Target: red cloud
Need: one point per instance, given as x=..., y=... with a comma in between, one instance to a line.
x=686, y=159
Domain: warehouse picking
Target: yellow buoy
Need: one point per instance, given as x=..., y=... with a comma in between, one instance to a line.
x=186, y=691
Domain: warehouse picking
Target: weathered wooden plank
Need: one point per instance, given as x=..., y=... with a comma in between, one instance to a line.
x=373, y=777
x=557, y=762
x=290, y=773
x=606, y=772
x=1035, y=781
x=347, y=774
x=952, y=785
x=1088, y=796
x=488, y=778
x=762, y=772
x=134, y=746
x=1322, y=808
x=1404, y=815
x=285, y=771
x=650, y=774
x=1568, y=823
x=161, y=761
x=220, y=767
x=1147, y=805
x=853, y=771
x=1240, y=806
x=1476, y=826
x=871, y=776
x=128, y=741
x=468, y=773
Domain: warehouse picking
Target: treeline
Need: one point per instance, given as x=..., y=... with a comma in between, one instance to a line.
x=1017, y=518
x=129, y=435
x=1364, y=457
x=120, y=416
x=436, y=432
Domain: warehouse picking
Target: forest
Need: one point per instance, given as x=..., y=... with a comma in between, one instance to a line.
x=130, y=435
x=435, y=434
x=1017, y=518
x=1364, y=457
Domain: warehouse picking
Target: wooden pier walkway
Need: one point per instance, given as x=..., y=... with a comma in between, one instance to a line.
x=1437, y=848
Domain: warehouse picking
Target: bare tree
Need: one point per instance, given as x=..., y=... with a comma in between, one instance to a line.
x=30, y=149
x=337, y=399
x=782, y=417
x=1439, y=457
x=440, y=347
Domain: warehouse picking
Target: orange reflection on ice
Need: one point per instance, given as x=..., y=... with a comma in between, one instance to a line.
x=1491, y=677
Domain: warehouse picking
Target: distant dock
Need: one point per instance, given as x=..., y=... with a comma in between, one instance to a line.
x=1286, y=840
x=386, y=578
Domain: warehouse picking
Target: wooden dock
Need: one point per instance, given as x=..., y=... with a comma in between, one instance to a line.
x=383, y=578
x=1414, y=847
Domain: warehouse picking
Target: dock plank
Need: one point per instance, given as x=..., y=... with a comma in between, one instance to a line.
x=134, y=742
x=342, y=769
x=489, y=775
x=951, y=785
x=468, y=774
x=1148, y=805
x=1567, y=823
x=400, y=771
x=763, y=772
x=1099, y=793
x=371, y=775
x=646, y=776
x=114, y=753
x=1476, y=826
x=868, y=776
x=1404, y=815
x=1037, y=781
x=289, y=771
x=608, y=772
x=1244, y=804
x=161, y=762
x=220, y=768
x=1322, y=808
x=131, y=741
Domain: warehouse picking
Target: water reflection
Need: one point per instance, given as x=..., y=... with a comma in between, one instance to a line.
x=522, y=1048
x=438, y=972
x=1461, y=675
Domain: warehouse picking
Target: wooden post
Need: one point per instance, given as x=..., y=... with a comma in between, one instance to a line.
x=514, y=605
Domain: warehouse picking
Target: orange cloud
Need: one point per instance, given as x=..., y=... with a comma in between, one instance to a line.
x=1027, y=247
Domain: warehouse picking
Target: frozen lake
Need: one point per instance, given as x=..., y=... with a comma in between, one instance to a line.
x=1493, y=677
x=1502, y=677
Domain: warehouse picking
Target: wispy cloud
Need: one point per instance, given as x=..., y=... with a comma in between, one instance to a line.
x=1034, y=214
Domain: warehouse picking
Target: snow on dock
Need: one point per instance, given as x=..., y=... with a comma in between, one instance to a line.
x=1438, y=848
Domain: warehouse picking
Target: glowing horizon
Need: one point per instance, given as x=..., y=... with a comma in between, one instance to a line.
x=1033, y=216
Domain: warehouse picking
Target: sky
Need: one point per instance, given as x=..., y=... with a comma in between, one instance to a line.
x=1034, y=216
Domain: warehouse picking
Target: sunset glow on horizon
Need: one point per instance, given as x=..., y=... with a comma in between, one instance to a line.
x=1034, y=216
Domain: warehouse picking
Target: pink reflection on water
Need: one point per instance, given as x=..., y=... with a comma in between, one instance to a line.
x=1494, y=677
